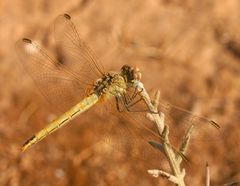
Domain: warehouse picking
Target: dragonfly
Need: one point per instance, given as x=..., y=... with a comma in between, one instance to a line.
x=78, y=77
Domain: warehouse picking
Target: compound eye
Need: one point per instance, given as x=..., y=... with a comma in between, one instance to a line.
x=137, y=73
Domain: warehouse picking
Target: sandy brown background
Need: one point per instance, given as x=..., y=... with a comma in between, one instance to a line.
x=188, y=49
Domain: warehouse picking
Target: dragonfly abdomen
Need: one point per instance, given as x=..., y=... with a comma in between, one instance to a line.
x=79, y=108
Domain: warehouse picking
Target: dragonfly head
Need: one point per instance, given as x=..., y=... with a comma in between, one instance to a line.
x=131, y=74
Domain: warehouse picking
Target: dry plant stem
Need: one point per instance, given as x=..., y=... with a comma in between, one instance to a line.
x=178, y=175
x=164, y=174
x=207, y=175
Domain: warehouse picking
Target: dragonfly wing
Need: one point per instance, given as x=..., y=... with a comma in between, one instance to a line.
x=180, y=120
x=177, y=119
x=73, y=52
x=60, y=86
x=64, y=81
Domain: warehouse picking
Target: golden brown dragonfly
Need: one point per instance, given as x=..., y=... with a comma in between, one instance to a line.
x=77, y=82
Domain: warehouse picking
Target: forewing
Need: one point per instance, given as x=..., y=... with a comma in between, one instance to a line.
x=73, y=52
x=65, y=81
x=57, y=83
x=180, y=120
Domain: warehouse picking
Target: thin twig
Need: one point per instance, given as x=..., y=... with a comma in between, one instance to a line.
x=158, y=119
x=207, y=175
x=156, y=99
x=165, y=175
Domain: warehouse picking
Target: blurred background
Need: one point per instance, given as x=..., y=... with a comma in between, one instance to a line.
x=189, y=49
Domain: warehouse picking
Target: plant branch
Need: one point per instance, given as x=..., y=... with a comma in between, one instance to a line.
x=165, y=175
x=207, y=175
x=158, y=119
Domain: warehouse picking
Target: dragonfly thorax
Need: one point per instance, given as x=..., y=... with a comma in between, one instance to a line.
x=109, y=85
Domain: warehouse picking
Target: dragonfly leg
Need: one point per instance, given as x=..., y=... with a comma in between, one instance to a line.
x=117, y=105
x=128, y=104
x=135, y=93
x=118, y=100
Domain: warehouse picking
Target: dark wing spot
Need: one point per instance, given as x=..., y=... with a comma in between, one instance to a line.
x=26, y=40
x=67, y=16
x=215, y=124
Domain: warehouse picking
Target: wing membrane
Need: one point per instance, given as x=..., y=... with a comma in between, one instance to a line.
x=61, y=87
x=73, y=52
x=65, y=81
